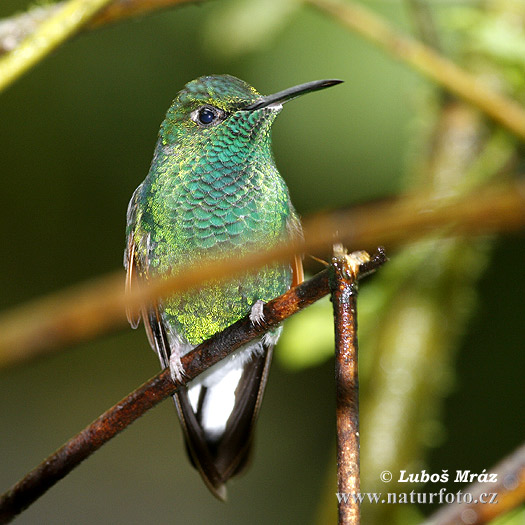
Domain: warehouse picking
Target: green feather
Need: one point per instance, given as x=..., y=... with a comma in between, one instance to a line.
x=213, y=191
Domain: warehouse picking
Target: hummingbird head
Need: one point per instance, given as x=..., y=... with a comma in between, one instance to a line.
x=218, y=110
x=207, y=108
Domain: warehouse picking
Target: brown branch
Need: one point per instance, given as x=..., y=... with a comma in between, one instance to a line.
x=83, y=312
x=343, y=284
x=122, y=9
x=509, y=490
x=117, y=418
x=422, y=58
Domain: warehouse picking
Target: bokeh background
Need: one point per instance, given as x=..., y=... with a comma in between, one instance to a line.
x=76, y=138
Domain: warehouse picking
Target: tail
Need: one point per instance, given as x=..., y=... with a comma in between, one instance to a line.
x=220, y=453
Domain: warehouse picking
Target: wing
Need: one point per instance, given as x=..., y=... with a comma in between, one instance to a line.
x=295, y=232
x=136, y=262
x=130, y=261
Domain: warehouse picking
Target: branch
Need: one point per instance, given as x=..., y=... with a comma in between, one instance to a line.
x=434, y=66
x=60, y=25
x=117, y=418
x=83, y=312
x=345, y=272
x=14, y=29
x=509, y=490
x=122, y=9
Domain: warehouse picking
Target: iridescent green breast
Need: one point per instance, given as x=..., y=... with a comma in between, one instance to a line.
x=219, y=204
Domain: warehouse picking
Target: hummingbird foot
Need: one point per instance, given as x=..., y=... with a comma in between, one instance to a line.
x=257, y=314
x=176, y=368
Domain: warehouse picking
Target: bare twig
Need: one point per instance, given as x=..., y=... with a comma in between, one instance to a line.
x=354, y=16
x=343, y=284
x=509, y=491
x=117, y=418
x=83, y=312
x=60, y=25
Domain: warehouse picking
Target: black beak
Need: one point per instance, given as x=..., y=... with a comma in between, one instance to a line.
x=290, y=93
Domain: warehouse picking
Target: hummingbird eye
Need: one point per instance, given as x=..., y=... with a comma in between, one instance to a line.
x=207, y=115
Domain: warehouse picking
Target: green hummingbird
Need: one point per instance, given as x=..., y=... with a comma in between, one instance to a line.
x=213, y=190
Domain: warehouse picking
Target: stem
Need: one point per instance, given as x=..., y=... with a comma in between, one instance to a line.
x=343, y=284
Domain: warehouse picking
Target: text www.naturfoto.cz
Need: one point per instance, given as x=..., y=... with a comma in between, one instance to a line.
x=423, y=498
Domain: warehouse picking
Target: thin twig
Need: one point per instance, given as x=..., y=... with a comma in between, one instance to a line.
x=509, y=491
x=63, y=23
x=354, y=16
x=343, y=284
x=117, y=418
x=83, y=312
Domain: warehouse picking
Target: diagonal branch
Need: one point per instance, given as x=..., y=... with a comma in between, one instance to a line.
x=63, y=23
x=117, y=418
x=508, y=491
x=16, y=28
x=83, y=312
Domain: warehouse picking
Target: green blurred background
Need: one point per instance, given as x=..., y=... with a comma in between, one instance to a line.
x=76, y=138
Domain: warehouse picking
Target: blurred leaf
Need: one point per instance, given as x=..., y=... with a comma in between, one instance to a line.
x=308, y=339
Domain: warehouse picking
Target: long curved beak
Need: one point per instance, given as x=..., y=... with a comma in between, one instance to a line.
x=291, y=93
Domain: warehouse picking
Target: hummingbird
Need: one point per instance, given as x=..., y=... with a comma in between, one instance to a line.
x=213, y=190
